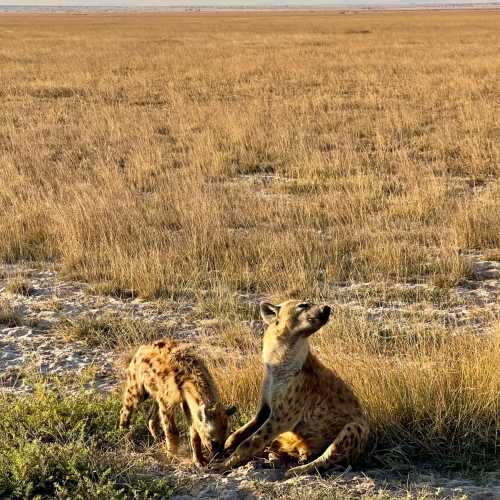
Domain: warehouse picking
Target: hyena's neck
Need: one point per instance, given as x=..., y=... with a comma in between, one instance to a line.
x=201, y=391
x=284, y=356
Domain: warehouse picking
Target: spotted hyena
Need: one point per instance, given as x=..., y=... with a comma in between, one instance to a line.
x=174, y=376
x=306, y=412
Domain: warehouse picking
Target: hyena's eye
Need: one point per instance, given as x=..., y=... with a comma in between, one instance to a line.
x=303, y=305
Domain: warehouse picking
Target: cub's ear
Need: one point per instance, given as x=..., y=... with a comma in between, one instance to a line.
x=231, y=410
x=269, y=312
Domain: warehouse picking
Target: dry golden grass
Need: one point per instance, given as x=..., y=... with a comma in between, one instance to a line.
x=134, y=149
x=8, y=316
x=271, y=154
x=20, y=286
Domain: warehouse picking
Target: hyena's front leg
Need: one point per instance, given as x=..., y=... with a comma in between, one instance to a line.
x=238, y=436
x=167, y=420
x=254, y=444
x=196, y=448
x=134, y=395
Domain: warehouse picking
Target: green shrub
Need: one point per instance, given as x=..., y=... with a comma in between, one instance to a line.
x=68, y=447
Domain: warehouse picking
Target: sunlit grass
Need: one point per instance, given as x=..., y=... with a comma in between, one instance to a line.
x=282, y=152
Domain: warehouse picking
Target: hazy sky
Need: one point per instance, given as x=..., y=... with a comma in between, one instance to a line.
x=232, y=3
x=166, y=3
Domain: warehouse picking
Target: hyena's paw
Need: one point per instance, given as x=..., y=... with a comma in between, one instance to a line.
x=297, y=471
x=200, y=463
x=231, y=443
x=219, y=467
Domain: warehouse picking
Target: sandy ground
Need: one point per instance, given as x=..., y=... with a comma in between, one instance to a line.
x=256, y=480
x=34, y=345
x=344, y=484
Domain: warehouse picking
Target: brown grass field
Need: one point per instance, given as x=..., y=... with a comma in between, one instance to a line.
x=134, y=148
x=223, y=158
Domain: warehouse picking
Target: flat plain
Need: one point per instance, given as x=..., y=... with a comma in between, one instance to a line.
x=160, y=174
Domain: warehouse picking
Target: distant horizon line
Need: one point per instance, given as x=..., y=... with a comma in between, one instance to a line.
x=273, y=5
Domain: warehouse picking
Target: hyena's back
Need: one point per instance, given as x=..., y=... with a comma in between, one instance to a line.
x=161, y=369
x=167, y=371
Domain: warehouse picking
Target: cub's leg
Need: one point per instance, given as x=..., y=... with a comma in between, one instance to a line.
x=167, y=420
x=154, y=424
x=198, y=458
x=346, y=448
x=238, y=436
x=134, y=395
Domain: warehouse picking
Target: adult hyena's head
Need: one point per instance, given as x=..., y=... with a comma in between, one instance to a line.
x=213, y=426
x=294, y=318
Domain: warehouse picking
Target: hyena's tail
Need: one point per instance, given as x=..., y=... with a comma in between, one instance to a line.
x=346, y=448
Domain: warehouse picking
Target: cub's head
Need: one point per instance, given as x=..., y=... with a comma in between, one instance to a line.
x=213, y=426
x=294, y=317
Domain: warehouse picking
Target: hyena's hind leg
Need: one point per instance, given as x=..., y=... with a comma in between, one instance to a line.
x=154, y=424
x=346, y=448
x=134, y=395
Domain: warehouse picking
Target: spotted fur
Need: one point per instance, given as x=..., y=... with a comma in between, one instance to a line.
x=174, y=376
x=306, y=412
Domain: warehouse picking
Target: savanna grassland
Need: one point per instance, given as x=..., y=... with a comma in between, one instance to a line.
x=219, y=159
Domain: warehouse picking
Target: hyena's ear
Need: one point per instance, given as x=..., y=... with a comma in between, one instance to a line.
x=269, y=312
x=231, y=410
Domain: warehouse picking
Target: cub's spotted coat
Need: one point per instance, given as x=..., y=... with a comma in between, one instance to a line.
x=306, y=412
x=174, y=376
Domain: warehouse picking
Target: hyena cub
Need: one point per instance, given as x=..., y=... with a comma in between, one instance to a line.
x=306, y=412
x=173, y=375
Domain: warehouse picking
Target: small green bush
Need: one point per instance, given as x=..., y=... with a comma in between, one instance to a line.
x=68, y=447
